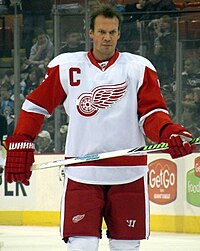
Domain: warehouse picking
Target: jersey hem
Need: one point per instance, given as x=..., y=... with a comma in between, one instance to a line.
x=92, y=182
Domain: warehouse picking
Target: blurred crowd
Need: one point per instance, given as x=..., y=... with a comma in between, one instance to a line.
x=143, y=20
x=33, y=70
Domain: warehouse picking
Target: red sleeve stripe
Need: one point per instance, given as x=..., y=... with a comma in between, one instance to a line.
x=118, y=161
x=142, y=119
x=29, y=106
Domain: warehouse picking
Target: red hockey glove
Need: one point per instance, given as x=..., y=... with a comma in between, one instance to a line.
x=19, y=159
x=177, y=138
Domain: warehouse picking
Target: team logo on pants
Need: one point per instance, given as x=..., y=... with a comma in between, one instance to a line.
x=101, y=97
x=78, y=218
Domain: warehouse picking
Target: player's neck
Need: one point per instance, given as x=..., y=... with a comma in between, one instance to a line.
x=101, y=57
x=103, y=63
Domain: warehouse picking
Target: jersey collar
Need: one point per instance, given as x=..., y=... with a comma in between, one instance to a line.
x=95, y=62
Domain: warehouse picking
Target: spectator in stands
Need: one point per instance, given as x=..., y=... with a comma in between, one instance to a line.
x=190, y=115
x=63, y=134
x=197, y=97
x=191, y=74
x=42, y=51
x=131, y=27
x=6, y=91
x=21, y=98
x=8, y=78
x=163, y=51
x=32, y=80
x=34, y=15
x=155, y=9
x=188, y=105
x=188, y=121
x=8, y=82
x=154, y=6
x=7, y=113
x=44, y=143
x=118, y=4
x=196, y=92
x=138, y=10
x=73, y=42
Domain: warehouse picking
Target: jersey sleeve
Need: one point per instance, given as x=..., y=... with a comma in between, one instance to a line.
x=50, y=93
x=29, y=124
x=40, y=103
x=152, y=110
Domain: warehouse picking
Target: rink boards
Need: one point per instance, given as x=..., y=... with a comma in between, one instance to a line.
x=174, y=192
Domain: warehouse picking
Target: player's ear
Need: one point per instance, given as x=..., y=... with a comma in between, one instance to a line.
x=91, y=33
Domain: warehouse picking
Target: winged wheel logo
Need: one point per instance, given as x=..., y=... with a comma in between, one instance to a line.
x=101, y=97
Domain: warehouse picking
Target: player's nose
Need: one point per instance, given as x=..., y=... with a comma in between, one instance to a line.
x=107, y=36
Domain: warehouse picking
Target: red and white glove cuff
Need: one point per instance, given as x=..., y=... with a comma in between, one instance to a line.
x=18, y=143
x=171, y=130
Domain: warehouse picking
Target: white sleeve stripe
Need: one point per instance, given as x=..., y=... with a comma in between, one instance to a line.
x=29, y=106
x=142, y=119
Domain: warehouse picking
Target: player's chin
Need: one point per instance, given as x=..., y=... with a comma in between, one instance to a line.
x=109, y=50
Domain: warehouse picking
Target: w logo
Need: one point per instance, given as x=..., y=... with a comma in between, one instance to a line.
x=131, y=223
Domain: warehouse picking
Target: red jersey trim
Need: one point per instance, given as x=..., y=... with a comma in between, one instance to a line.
x=117, y=161
x=110, y=62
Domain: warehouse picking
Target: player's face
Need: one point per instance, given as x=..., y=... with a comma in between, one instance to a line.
x=42, y=39
x=105, y=36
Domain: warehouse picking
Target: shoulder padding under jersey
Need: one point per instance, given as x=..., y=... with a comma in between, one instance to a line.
x=137, y=59
x=67, y=57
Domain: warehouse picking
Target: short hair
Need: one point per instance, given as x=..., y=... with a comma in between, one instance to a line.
x=106, y=10
x=72, y=31
x=37, y=71
x=39, y=32
x=6, y=87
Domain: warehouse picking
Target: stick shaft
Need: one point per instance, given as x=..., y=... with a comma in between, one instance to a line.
x=94, y=157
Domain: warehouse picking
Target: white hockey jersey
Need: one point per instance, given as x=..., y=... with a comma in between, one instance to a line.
x=107, y=107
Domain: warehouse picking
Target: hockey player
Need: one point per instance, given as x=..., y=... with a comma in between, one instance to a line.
x=113, y=99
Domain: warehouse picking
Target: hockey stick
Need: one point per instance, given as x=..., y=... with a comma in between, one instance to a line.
x=125, y=152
